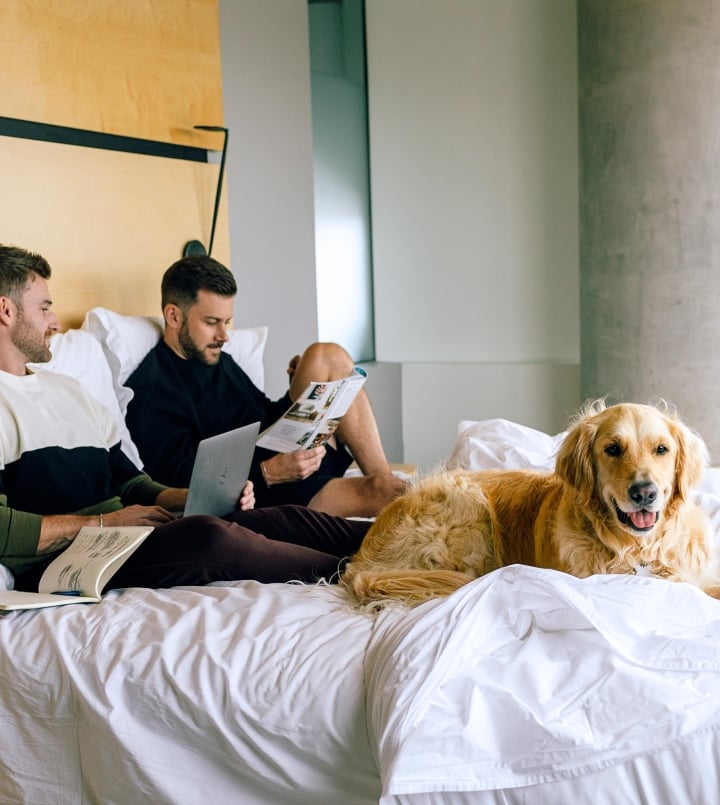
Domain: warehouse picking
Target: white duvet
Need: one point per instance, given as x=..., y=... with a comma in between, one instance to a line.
x=528, y=676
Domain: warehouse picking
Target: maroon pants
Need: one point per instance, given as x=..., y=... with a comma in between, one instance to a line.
x=281, y=543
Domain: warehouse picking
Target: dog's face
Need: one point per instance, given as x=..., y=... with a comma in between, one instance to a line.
x=636, y=461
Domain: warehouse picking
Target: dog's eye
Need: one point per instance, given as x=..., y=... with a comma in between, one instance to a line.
x=661, y=448
x=613, y=450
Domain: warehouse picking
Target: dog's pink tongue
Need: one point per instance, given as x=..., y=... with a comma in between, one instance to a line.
x=642, y=519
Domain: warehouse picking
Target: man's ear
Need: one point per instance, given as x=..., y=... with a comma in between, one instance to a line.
x=173, y=316
x=8, y=311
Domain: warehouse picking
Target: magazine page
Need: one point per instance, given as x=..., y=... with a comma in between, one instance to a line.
x=314, y=417
x=91, y=559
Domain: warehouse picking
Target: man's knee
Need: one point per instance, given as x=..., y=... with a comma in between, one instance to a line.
x=210, y=537
x=329, y=354
x=386, y=488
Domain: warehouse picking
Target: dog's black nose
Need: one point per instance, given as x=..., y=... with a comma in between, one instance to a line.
x=643, y=493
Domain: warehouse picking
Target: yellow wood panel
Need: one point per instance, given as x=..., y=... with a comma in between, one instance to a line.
x=109, y=223
x=138, y=68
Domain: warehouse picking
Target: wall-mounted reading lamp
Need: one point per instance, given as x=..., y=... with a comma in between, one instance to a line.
x=195, y=246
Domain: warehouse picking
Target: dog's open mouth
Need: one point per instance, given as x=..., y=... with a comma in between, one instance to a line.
x=642, y=520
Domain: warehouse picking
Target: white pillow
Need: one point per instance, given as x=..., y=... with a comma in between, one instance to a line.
x=78, y=354
x=126, y=340
x=247, y=346
x=502, y=444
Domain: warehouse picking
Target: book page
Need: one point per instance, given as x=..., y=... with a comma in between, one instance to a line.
x=314, y=416
x=91, y=559
x=15, y=599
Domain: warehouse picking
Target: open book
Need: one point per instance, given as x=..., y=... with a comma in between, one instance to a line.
x=314, y=417
x=80, y=572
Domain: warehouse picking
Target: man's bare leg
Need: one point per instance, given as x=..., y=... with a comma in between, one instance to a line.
x=358, y=496
x=358, y=428
x=361, y=496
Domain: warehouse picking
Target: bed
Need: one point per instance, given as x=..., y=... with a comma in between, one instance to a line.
x=525, y=686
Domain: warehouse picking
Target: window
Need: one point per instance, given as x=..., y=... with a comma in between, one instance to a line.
x=341, y=168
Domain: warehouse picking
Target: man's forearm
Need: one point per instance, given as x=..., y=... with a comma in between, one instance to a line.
x=172, y=499
x=57, y=530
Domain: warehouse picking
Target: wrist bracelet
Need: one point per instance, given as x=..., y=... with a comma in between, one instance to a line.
x=264, y=474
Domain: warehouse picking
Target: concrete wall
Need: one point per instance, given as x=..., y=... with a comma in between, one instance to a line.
x=650, y=220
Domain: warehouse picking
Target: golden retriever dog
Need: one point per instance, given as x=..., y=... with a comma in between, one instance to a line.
x=618, y=501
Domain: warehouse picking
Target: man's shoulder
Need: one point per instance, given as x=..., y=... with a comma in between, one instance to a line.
x=50, y=377
x=63, y=387
x=149, y=366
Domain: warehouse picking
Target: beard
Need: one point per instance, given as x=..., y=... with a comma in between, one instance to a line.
x=30, y=342
x=191, y=350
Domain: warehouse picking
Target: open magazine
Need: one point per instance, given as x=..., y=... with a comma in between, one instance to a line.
x=80, y=572
x=313, y=418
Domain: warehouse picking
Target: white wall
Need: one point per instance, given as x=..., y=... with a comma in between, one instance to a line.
x=474, y=177
x=266, y=87
x=473, y=138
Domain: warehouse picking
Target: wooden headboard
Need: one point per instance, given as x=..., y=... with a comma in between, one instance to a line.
x=103, y=171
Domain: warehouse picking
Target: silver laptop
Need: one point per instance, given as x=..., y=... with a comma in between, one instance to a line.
x=221, y=468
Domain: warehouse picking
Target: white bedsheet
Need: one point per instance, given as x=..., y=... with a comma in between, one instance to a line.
x=531, y=676
x=247, y=693
x=525, y=686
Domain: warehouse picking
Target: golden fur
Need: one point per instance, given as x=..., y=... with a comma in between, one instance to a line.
x=617, y=502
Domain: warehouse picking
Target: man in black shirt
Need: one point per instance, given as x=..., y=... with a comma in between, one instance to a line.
x=187, y=389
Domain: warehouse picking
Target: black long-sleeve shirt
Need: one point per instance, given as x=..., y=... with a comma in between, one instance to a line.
x=179, y=402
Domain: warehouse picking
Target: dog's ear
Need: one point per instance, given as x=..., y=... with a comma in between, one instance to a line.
x=574, y=463
x=691, y=461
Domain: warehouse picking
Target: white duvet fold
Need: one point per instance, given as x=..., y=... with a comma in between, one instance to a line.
x=527, y=676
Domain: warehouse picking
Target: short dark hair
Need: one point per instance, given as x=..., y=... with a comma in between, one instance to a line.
x=16, y=267
x=198, y=272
